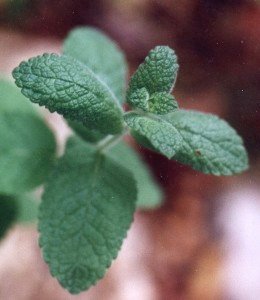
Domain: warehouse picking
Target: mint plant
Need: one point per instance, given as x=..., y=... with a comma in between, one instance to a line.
x=93, y=190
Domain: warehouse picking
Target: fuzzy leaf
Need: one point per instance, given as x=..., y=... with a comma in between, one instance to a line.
x=66, y=86
x=210, y=144
x=86, y=210
x=101, y=55
x=149, y=194
x=162, y=103
x=162, y=135
x=157, y=74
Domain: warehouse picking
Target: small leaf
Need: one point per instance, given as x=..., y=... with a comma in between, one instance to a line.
x=86, y=210
x=101, y=55
x=149, y=194
x=159, y=132
x=8, y=213
x=66, y=86
x=162, y=103
x=210, y=144
x=140, y=98
x=27, y=151
x=157, y=73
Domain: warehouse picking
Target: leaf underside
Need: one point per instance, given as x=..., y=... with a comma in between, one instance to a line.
x=86, y=210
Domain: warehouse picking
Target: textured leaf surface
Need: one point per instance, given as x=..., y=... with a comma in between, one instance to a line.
x=162, y=103
x=87, y=208
x=163, y=136
x=66, y=86
x=140, y=98
x=210, y=144
x=27, y=151
x=152, y=83
x=101, y=55
x=8, y=213
x=149, y=194
x=157, y=73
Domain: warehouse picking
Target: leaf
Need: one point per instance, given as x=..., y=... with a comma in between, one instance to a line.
x=66, y=86
x=11, y=98
x=86, y=210
x=140, y=98
x=157, y=75
x=89, y=135
x=162, y=135
x=149, y=194
x=27, y=151
x=101, y=55
x=27, y=208
x=8, y=213
x=162, y=103
x=210, y=144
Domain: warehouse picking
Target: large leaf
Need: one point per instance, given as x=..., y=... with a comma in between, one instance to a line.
x=64, y=85
x=8, y=213
x=156, y=75
x=162, y=135
x=149, y=194
x=11, y=98
x=86, y=210
x=27, y=208
x=101, y=55
x=27, y=151
x=210, y=145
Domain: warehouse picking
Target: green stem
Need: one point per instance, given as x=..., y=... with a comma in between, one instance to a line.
x=109, y=141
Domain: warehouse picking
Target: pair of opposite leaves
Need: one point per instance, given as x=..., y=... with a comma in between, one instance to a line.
x=89, y=199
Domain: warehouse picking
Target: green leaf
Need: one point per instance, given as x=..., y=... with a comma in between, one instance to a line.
x=11, y=98
x=149, y=193
x=101, y=55
x=27, y=208
x=89, y=135
x=209, y=145
x=27, y=151
x=162, y=103
x=140, y=98
x=162, y=135
x=156, y=75
x=86, y=210
x=66, y=86
x=8, y=213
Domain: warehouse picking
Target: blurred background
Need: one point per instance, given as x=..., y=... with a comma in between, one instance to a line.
x=204, y=241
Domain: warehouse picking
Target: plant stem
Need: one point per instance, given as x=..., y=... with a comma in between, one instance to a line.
x=109, y=142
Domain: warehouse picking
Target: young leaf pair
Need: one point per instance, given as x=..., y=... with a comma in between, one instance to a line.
x=90, y=196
